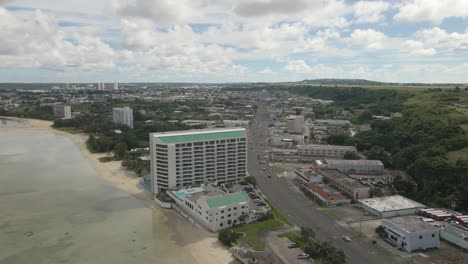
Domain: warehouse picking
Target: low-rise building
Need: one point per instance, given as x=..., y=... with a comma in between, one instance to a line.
x=455, y=234
x=324, y=150
x=349, y=186
x=388, y=206
x=411, y=234
x=287, y=140
x=326, y=124
x=215, y=209
x=326, y=195
x=295, y=124
x=370, y=167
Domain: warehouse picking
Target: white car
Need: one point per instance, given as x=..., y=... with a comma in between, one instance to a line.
x=303, y=256
x=346, y=238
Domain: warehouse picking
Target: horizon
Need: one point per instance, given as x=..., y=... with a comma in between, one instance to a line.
x=235, y=41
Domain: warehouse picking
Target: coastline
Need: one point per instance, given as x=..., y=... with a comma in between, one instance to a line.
x=206, y=250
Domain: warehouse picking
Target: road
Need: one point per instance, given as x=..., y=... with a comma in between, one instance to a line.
x=300, y=210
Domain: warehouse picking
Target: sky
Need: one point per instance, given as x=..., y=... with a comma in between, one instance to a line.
x=233, y=40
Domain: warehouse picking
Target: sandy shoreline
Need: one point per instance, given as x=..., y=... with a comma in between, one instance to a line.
x=206, y=250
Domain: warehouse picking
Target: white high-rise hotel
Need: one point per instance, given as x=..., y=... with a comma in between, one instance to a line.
x=123, y=116
x=192, y=157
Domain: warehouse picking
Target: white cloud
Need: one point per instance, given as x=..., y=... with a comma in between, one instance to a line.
x=370, y=11
x=434, y=11
x=39, y=43
x=417, y=48
x=439, y=38
x=267, y=70
x=165, y=12
x=297, y=66
x=368, y=38
x=254, y=8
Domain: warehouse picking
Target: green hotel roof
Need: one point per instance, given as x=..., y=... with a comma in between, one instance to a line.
x=202, y=137
x=226, y=200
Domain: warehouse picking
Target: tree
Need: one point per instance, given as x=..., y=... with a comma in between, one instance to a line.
x=120, y=149
x=251, y=180
x=375, y=192
x=228, y=237
x=307, y=233
x=351, y=155
x=380, y=230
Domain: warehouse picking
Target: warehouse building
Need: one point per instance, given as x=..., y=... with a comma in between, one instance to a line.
x=411, y=234
x=326, y=124
x=349, y=186
x=367, y=167
x=455, y=234
x=388, y=206
x=324, y=150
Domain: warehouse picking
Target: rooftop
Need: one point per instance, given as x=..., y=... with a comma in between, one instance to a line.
x=391, y=203
x=325, y=146
x=227, y=199
x=199, y=135
x=411, y=223
x=354, y=162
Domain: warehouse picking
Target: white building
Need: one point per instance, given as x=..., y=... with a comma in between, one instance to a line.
x=116, y=86
x=411, y=234
x=62, y=111
x=295, y=124
x=123, y=116
x=324, y=150
x=388, y=206
x=287, y=140
x=191, y=157
x=372, y=167
x=216, y=210
x=455, y=234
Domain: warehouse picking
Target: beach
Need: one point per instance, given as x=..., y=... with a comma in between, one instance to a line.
x=197, y=244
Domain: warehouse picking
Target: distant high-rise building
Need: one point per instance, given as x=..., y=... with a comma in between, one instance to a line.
x=189, y=158
x=123, y=116
x=62, y=111
x=103, y=86
x=116, y=86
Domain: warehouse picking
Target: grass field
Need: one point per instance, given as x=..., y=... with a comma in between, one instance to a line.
x=254, y=230
x=455, y=155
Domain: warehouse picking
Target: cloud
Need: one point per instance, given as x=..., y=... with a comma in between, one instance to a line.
x=254, y=8
x=39, y=43
x=434, y=11
x=368, y=38
x=297, y=66
x=439, y=38
x=417, y=48
x=370, y=11
x=164, y=12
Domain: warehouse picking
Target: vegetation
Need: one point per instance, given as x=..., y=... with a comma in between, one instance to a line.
x=228, y=237
x=254, y=230
x=351, y=155
x=324, y=251
x=420, y=142
x=251, y=180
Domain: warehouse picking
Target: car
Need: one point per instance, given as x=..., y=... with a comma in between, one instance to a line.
x=293, y=245
x=346, y=238
x=263, y=168
x=303, y=256
x=269, y=176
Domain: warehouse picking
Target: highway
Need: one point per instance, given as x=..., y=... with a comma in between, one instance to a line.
x=301, y=210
